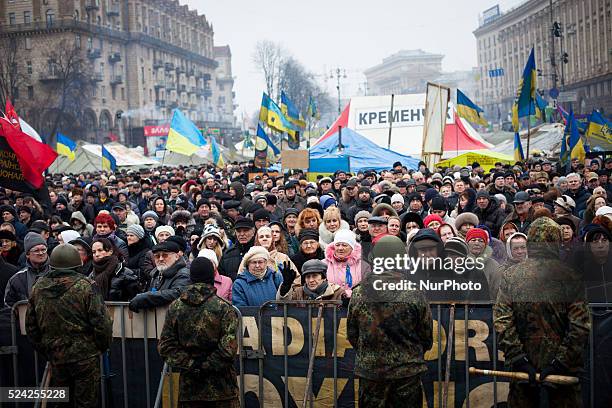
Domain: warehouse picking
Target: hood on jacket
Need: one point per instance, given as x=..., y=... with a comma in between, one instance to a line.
x=197, y=293
x=383, y=206
x=239, y=189
x=509, y=247
x=423, y=234
x=57, y=282
x=77, y=215
x=326, y=236
x=182, y=214
x=353, y=258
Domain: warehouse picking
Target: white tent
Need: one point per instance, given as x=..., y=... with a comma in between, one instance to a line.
x=88, y=158
x=201, y=157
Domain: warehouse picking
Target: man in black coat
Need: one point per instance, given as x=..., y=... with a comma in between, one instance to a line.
x=245, y=238
x=489, y=212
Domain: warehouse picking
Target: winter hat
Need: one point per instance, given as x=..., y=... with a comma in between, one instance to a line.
x=31, y=240
x=500, y=198
x=430, y=193
x=202, y=270
x=164, y=228
x=345, y=236
x=256, y=251
x=397, y=198
x=261, y=214
x=382, y=199
x=311, y=200
x=382, y=207
x=65, y=256
x=4, y=234
x=212, y=231
x=308, y=234
x=290, y=211
x=364, y=189
x=362, y=214
x=136, y=230
x=605, y=210
x=150, y=214
x=69, y=235
x=466, y=218
x=210, y=255
x=509, y=240
x=477, y=233
x=327, y=201
x=456, y=246
x=178, y=240
x=483, y=194
x=432, y=217
x=314, y=266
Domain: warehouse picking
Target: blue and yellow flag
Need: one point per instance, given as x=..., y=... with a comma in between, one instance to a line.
x=518, y=148
x=527, y=89
x=312, y=108
x=108, y=160
x=184, y=136
x=576, y=147
x=469, y=110
x=291, y=112
x=263, y=148
x=263, y=137
x=272, y=115
x=216, y=153
x=540, y=107
x=66, y=146
x=599, y=127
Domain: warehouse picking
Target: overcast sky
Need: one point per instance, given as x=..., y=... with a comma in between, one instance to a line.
x=354, y=35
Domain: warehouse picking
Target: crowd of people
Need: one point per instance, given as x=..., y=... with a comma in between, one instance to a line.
x=147, y=237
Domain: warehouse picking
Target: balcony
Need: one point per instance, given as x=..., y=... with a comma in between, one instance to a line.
x=181, y=70
x=169, y=66
x=116, y=80
x=49, y=76
x=97, y=77
x=159, y=85
x=160, y=103
x=173, y=105
x=192, y=90
x=170, y=87
x=92, y=5
x=183, y=88
x=114, y=57
x=113, y=11
x=94, y=53
x=158, y=64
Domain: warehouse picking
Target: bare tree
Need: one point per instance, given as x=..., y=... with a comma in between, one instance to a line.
x=11, y=76
x=268, y=57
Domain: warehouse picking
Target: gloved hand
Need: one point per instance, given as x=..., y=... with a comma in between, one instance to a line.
x=345, y=300
x=136, y=304
x=288, y=277
x=555, y=367
x=525, y=366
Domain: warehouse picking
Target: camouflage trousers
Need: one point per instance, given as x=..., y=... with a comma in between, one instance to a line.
x=399, y=393
x=83, y=381
x=525, y=396
x=232, y=403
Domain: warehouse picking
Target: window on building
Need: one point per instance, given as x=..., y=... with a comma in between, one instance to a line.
x=123, y=94
x=94, y=91
x=12, y=19
x=29, y=67
x=50, y=15
x=221, y=87
x=142, y=75
x=103, y=93
x=28, y=43
x=27, y=17
x=77, y=41
x=30, y=92
x=113, y=93
x=89, y=43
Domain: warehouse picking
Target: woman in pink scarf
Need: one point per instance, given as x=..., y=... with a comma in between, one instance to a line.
x=343, y=258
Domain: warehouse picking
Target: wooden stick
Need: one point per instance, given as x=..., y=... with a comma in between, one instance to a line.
x=308, y=391
x=515, y=375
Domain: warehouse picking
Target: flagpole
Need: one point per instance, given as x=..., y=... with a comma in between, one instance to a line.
x=390, y=122
x=163, y=158
x=456, y=134
x=528, y=136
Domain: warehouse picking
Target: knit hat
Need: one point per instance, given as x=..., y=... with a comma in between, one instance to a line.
x=210, y=255
x=345, y=236
x=382, y=199
x=566, y=202
x=314, y=266
x=212, y=231
x=69, y=235
x=31, y=240
x=477, y=233
x=164, y=228
x=500, y=198
x=178, y=240
x=327, y=201
x=261, y=214
x=466, y=218
x=438, y=203
x=4, y=234
x=430, y=193
x=136, y=230
x=364, y=189
x=432, y=217
x=605, y=210
x=456, y=246
x=362, y=214
x=308, y=234
x=256, y=251
x=483, y=194
x=150, y=214
x=202, y=270
x=377, y=211
x=397, y=198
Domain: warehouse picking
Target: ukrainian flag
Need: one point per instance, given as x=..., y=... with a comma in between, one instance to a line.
x=108, y=160
x=291, y=112
x=540, y=107
x=66, y=146
x=262, y=137
x=599, y=127
x=469, y=110
x=184, y=136
x=527, y=89
x=272, y=115
x=216, y=152
x=576, y=147
x=518, y=148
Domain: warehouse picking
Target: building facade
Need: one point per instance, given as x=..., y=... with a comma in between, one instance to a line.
x=406, y=71
x=223, y=93
x=145, y=58
x=505, y=41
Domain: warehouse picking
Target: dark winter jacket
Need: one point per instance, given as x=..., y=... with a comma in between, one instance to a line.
x=231, y=259
x=19, y=286
x=299, y=258
x=141, y=261
x=493, y=216
x=164, y=287
x=360, y=206
x=6, y=272
x=580, y=196
x=123, y=285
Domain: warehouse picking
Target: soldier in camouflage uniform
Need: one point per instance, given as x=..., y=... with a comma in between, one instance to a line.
x=390, y=332
x=199, y=340
x=542, y=321
x=67, y=322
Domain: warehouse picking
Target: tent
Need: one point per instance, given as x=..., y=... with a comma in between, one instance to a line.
x=486, y=159
x=88, y=158
x=460, y=137
x=363, y=154
x=199, y=158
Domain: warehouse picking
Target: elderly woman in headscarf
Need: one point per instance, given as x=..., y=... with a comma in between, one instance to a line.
x=343, y=258
x=516, y=250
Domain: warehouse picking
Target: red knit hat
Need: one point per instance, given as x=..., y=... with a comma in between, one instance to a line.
x=432, y=217
x=105, y=219
x=477, y=233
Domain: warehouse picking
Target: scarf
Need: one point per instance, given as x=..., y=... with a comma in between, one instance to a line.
x=319, y=291
x=259, y=275
x=348, y=277
x=103, y=272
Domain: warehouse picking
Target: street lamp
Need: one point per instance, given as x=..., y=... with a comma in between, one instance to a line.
x=339, y=74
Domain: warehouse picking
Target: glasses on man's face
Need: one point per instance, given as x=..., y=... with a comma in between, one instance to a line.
x=309, y=243
x=39, y=251
x=161, y=255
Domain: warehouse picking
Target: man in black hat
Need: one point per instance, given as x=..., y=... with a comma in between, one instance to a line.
x=364, y=203
x=522, y=215
x=348, y=198
x=199, y=338
x=499, y=187
x=245, y=238
x=291, y=199
x=315, y=285
x=170, y=277
x=9, y=214
x=489, y=212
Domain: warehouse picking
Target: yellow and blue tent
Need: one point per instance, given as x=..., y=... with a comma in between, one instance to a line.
x=66, y=146
x=469, y=110
x=108, y=160
x=184, y=136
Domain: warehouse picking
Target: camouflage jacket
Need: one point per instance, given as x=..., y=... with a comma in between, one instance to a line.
x=390, y=331
x=541, y=313
x=66, y=319
x=199, y=339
